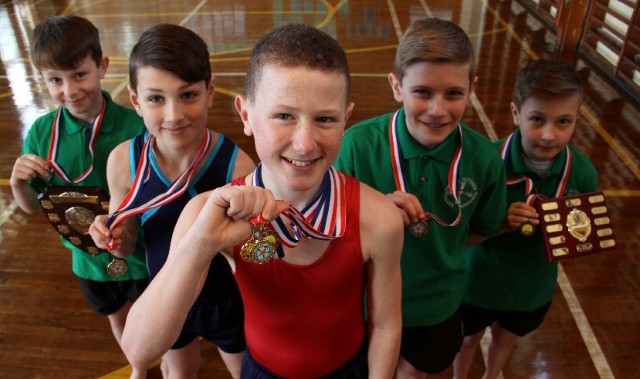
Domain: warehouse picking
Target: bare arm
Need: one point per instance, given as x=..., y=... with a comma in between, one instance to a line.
x=120, y=181
x=382, y=243
x=26, y=168
x=211, y=222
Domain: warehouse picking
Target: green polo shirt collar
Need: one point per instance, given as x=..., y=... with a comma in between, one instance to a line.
x=72, y=126
x=413, y=149
x=517, y=162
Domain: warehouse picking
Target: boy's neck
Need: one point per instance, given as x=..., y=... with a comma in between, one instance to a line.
x=298, y=199
x=541, y=167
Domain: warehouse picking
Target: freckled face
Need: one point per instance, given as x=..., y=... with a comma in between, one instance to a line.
x=297, y=120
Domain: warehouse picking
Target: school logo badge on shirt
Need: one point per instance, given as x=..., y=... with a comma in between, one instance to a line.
x=467, y=193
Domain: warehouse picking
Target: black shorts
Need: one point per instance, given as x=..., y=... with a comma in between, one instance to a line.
x=476, y=319
x=356, y=368
x=432, y=348
x=107, y=297
x=219, y=319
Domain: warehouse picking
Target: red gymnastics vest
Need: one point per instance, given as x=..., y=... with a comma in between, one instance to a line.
x=307, y=321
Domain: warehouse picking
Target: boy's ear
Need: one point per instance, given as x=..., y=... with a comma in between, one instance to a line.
x=474, y=83
x=242, y=106
x=102, y=68
x=396, y=87
x=133, y=96
x=211, y=91
x=515, y=113
x=349, y=110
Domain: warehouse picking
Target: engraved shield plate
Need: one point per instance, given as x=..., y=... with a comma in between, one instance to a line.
x=71, y=210
x=575, y=226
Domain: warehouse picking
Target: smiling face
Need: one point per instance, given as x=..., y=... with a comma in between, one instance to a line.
x=435, y=96
x=297, y=120
x=78, y=90
x=546, y=125
x=174, y=111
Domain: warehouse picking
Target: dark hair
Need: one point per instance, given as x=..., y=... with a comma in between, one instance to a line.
x=63, y=42
x=296, y=45
x=434, y=40
x=547, y=79
x=174, y=49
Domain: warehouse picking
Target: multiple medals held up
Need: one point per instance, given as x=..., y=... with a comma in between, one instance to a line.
x=179, y=186
x=527, y=229
x=421, y=228
x=117, y=267
x=323, y=218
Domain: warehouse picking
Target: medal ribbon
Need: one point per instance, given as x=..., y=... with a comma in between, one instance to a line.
x=401, y=178
x=126, y=209
x=505, y=153
x=55, y=145
x=323, y=218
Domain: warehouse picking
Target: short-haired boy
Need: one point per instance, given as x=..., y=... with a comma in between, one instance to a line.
x=172, y=88
x=304, y=311
x=66, y=51
x=446, y=180
x=509, y=283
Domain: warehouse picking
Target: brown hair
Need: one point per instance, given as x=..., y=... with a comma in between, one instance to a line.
x=174, y=49
x=63, y=42
x=434, y=40
x=296, y=45
x=547, y=79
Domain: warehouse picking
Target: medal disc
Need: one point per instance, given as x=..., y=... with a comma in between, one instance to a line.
x=117, y=267
x=527, y=229
x=419, y=229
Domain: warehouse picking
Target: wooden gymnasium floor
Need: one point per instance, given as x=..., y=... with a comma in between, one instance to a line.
x=48, y=331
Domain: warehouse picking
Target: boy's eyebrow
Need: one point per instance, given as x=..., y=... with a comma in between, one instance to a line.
x=186, y=86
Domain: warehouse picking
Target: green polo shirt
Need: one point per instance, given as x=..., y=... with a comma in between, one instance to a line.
x=119, y=124
x=432, y=266
x=509, y=271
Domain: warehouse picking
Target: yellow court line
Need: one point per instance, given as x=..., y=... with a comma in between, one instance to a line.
x=621, y=193
x=331, y=11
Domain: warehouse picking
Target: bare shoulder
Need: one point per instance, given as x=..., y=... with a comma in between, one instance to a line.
x=119, y=174
x=381, y=225
x=244, y=165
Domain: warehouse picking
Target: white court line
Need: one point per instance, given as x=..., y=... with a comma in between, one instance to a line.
x=589, y=338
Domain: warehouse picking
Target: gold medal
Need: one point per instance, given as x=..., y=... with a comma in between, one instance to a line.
x=527, y=229
x=262, y=246
x=117, y=267
x=419, y=229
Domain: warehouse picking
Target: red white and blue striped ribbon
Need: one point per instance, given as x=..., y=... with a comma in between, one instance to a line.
x=530, y=198
x=179, y=186
x=401, y=178
x=323, y=218
x=55, y=145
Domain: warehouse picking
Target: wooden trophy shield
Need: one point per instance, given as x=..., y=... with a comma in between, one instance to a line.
x=574, y=226
x=71, y=210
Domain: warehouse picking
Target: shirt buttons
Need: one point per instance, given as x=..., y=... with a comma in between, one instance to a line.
x=423, y=179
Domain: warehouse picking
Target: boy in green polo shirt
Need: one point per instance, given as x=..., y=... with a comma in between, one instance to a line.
x=66, y=51
x=509, y=283
x=446, y=179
